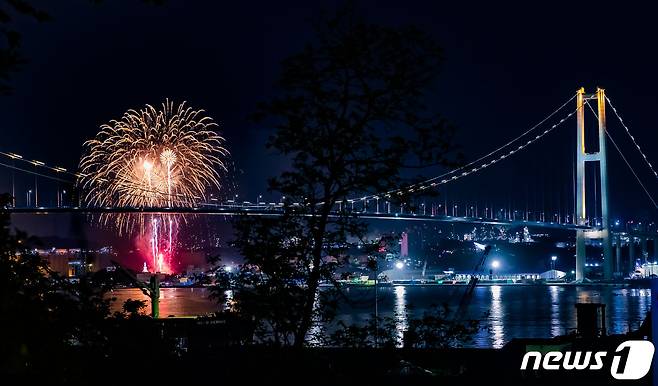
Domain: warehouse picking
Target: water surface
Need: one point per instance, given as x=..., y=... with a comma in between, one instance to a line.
x=513, y=311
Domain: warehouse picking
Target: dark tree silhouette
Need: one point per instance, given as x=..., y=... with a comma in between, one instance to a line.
x=351, y=117
x=11, y=59
x=134, y=308
x=43, y=316
x=60, y=330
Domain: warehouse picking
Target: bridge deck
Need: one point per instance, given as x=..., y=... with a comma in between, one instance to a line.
x=232, y=210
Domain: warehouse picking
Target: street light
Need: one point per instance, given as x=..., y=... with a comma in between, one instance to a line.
x=553, y=258
x=494, y=265
x=399, y=265
x=373, y=264
x=36, y=183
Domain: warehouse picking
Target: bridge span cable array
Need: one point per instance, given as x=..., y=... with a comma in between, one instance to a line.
x=420, y=186
x=35, y=163
x=35, y=173
x=62, y=170
x=624, y=158
x=478, y=164
x=452, y=175
x=632, y=138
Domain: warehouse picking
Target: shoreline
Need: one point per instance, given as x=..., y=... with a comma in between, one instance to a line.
x=638, y=285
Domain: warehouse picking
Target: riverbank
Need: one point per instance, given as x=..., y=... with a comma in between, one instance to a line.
x=494, y=283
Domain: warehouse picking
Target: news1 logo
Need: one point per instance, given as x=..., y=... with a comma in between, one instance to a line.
x=631, y=360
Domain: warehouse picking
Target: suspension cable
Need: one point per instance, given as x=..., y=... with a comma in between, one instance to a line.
x=433, y=182
x=36, y=164
x=423, y=185
x=62, y=170
x=632, y=138
x=35, y=173
x=624, y=158
x=505, y=145
x=122, y=184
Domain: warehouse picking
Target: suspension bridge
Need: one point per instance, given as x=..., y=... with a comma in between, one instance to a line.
x=381, y=206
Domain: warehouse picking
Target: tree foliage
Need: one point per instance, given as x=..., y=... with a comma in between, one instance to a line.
x=43, y=315
x=351, y=116
x=49, y=322
x=11, y=59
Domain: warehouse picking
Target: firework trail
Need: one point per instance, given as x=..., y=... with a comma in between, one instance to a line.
x=169, y=157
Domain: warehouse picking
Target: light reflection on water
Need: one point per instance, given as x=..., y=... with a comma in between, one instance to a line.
x=401, y=323
x=514, y=311
x=506, y=312
x=496, y=317
x=173, y=301
x=556, y=324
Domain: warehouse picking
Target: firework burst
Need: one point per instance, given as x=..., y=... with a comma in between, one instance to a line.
x=157, y=158
x=153, y=158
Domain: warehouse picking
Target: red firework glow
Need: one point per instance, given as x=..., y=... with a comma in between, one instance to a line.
x=161, y=234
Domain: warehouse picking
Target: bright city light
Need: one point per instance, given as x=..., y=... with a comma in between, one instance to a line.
x=553, y=257
x=495, y=264
x=399, y=265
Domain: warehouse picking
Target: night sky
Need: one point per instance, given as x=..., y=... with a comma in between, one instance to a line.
x=506, y=68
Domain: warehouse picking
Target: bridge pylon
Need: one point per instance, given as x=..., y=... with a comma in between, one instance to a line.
x=582, y=157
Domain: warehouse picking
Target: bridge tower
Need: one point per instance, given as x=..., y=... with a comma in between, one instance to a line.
x=582, y=157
